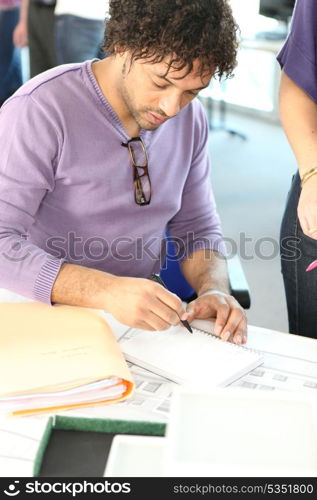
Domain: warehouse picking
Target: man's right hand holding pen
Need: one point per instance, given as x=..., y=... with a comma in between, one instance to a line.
x=143, y=303
x=146, y=304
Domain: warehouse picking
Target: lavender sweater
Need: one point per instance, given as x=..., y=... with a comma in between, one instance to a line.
x=66, y=186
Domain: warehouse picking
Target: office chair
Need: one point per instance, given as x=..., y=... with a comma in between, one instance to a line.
x=175, y=281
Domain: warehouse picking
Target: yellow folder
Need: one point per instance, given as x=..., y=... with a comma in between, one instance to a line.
x=48, y=350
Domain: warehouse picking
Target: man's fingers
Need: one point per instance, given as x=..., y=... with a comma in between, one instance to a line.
x=236, y=321
x=222, y=315
x=171, y=300
x=165, y=313
x=144, y=326
x=217, y=307
x=156, y=322
x=241, y=333
x=159, y=308
x=191, y=311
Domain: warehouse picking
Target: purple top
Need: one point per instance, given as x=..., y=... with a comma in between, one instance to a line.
x=66, y=186
x=298, y=55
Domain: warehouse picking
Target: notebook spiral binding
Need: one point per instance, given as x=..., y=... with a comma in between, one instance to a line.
x=254, y=351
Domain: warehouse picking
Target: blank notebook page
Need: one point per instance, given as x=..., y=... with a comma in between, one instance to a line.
x=188, y=358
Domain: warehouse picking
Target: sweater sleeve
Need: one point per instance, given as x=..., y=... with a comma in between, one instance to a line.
x=28, y=156
x=298, y=55
x=197, y=224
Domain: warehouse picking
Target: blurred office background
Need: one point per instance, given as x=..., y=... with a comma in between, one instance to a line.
x=252, y=163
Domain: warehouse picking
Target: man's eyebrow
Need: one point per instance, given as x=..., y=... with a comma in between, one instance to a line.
x=167, y=80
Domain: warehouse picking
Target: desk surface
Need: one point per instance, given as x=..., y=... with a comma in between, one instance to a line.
x=290, y=363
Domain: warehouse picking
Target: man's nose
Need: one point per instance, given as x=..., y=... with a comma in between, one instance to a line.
x=170, y=105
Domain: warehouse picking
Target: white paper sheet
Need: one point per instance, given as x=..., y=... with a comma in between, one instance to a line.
x=19, y=442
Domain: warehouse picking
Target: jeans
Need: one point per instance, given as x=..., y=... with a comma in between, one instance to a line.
x=297, y=252
x=77, y=39
x=10, y=63
x=41, y=37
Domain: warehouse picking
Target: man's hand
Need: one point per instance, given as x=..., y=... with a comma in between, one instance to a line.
x=142, y=303
x=231, y=321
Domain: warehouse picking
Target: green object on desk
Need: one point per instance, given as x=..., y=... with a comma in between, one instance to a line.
x=104, y=426
x=109, y=426
x=42, y=448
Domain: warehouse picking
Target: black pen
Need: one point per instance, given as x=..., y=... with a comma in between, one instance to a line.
x=158, y=279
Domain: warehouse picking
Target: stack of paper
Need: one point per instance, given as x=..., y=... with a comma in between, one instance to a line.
x=20, y=442
x=58, y=357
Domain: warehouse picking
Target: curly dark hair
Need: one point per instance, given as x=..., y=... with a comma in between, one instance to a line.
x=184, y=29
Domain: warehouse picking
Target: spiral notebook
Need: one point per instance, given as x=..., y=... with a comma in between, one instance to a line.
x=189, y=358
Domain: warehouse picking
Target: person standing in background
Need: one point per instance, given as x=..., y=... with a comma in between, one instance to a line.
x=79, y=29
x=298, y=110
x=10, y=61
x=36, y=29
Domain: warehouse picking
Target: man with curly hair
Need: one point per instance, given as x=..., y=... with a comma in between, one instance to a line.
x=98, y=159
